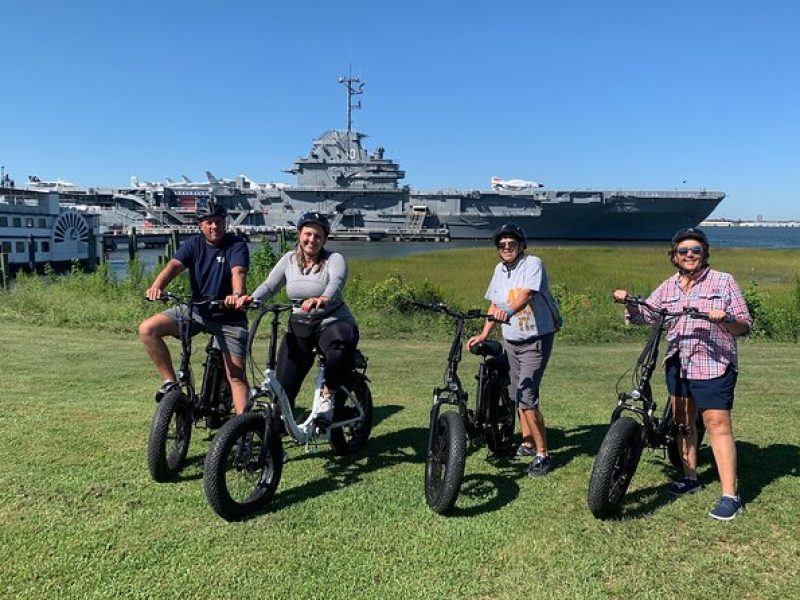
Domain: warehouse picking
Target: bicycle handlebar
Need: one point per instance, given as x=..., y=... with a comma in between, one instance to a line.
x=167, y=297
x=443, y=308
x=687, y=311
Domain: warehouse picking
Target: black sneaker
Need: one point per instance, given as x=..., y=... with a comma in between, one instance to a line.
x=165, y=388
x=523, y=450
x=540, y=466
x=684, y=486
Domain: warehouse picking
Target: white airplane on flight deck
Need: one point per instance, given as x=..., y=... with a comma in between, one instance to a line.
x=187, y=184
x=514, y=185
x=56, y=185
x=145, y=185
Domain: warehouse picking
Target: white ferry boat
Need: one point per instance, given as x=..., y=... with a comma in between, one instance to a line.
x=35, y=230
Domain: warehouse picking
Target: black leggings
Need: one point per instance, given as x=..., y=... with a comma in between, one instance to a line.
x=337, y=342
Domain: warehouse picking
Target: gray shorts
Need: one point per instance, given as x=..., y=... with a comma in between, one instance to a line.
x=231, y=336
x=527, y=362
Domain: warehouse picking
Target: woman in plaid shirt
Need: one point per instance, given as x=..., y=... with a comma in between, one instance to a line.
x=701, y=360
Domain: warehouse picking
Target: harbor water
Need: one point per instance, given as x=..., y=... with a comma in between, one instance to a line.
x=720, y=237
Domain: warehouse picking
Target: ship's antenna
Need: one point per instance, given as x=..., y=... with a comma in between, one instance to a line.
x=352, y=90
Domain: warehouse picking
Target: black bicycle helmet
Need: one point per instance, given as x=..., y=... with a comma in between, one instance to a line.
x=211, y=210
x=315, y=218
x=690, y=233
x=511, y=230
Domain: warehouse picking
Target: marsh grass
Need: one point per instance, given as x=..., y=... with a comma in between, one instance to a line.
x=380, y=291
x=79, y=516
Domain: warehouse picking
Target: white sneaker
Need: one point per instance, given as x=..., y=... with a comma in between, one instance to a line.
x=325, y=412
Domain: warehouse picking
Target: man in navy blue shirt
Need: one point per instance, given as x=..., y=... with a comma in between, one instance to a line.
x=218, y=264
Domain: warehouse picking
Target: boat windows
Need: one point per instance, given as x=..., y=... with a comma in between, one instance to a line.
x=20, y=247
x=42, y=223
x=6, y=247
x=45, y=246
x=29, y=222
x=17, y=222
x=3, y=221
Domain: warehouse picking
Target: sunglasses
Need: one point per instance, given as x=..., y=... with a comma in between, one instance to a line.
x=692, y=249
x=510, y=245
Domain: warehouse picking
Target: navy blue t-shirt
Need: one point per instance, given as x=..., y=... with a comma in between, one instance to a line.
x=210, y=267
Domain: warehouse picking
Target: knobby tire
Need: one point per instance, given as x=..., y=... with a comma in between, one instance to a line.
x=614, y=466
x=170, y=434
x=243, y=466
x=444, y=469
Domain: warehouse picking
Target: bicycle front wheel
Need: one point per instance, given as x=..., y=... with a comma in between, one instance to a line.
x=243, y=466
x=614, y=466
x=170, y=434
x=444, y=467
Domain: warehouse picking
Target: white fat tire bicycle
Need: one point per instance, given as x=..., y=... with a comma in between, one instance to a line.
x=244, y=464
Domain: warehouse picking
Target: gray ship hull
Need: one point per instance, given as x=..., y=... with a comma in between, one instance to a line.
x=545, y=214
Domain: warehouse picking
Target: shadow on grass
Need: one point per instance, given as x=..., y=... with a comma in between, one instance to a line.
x=568, y=444
x=484, y=493
x=396, y=447
x=757, y=468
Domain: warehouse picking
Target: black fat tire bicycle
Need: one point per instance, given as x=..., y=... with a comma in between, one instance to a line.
x=490, y=423
x=244, y=465
x=627, y=437
x=182, y=408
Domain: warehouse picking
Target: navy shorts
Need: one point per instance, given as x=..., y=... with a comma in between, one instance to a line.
x=714, y=393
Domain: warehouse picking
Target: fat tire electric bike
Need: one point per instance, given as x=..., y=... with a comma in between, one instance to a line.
x=181, y=408
x=244, y=465
x=490, y=423
x=641, y=427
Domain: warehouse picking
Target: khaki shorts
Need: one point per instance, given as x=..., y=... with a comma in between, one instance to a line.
x=231, y=336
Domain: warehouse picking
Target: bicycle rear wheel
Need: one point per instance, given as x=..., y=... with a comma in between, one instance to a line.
x=673, y=452
x=243, y=466
x=170, y=434
x=614, y=466
x=346, y=440
x=499, y=427
x=444, y=468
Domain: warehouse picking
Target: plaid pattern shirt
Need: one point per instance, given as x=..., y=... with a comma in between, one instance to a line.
x=705, y=349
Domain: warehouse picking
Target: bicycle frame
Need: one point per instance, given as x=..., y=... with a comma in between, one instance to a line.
x=453, y=391
x=213, y=366
x=271, y=388
x=655, y=429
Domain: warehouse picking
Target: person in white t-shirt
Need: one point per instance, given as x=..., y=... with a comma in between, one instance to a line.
x=519, y=296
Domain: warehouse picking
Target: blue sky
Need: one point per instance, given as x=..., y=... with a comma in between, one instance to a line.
x=608, y=94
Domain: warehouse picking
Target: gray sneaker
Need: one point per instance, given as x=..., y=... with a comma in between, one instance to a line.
x=540, y=466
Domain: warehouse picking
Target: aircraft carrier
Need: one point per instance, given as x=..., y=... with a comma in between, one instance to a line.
x=360, y=192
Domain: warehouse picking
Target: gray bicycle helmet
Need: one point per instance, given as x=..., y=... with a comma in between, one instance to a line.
x=511, y=230
x=315, y=218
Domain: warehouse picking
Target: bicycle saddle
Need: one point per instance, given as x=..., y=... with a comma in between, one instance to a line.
x=487, y=348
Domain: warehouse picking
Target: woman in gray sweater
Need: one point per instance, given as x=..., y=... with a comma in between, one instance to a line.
x=314, y=278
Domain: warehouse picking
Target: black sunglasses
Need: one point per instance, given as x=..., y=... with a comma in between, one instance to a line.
x=692, y=249
x=509, y=244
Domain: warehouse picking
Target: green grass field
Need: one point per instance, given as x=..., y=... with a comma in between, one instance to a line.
x=79, y=516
